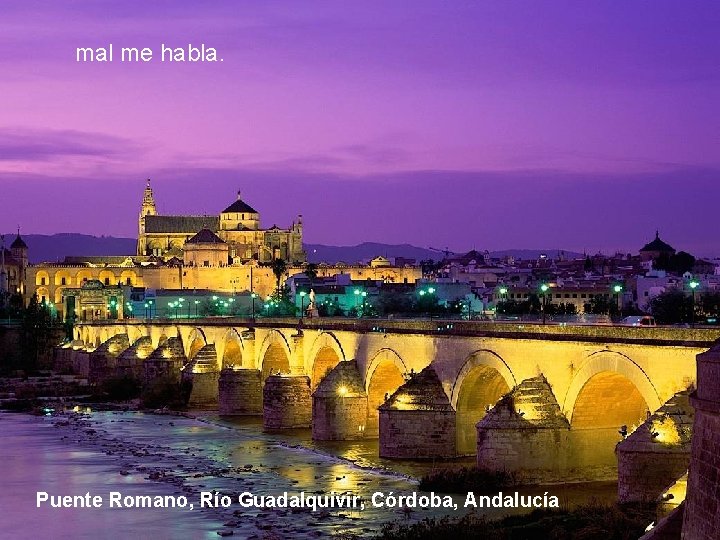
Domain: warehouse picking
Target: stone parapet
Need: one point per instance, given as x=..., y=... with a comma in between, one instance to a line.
x=287, y=402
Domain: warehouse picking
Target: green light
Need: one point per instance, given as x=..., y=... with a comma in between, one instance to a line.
x=182, y=299
x=503, y=290
x=694, y=284
x=617, y=288
x=422, y=293
x=357, y=291
x=544, y=287
x=302, y=293
x=197, y=302
x=431, y=290
x=214, y=297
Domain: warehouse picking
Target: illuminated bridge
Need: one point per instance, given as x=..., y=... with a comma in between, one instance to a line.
x=549, y=401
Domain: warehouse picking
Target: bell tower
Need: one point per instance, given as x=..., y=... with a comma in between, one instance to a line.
x=147, y=209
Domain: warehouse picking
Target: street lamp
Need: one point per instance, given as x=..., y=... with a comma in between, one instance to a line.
x=617, y=289
x=544, y=288
x=150, y=302
x=196, y=308
x=302, y=304
x=252, y=299
x=694, y=284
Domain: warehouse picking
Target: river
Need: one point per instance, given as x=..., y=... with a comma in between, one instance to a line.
x=140, y=454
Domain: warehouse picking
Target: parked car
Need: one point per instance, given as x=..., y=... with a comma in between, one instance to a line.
x=639, y=320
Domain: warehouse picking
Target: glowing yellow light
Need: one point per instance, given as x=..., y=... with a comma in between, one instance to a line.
x=342, y=391
x=666, y=431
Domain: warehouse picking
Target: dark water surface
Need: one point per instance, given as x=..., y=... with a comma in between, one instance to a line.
x=146, y=454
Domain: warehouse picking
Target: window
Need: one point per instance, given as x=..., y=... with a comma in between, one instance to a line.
x=128, y=281
x=206, y=263
x=62, y=281
x=42, y=282
x=583, y=295
x=574, y=295
x=567, y=295
x=107, y=281
x=646, y=293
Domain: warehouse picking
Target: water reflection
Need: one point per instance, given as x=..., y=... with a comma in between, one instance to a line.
x=147, y=454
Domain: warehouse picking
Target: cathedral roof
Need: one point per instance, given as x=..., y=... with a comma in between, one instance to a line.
x=657, y=245
x=18, y=243
x=239, y=207
x=205, y=236
x=180, y=224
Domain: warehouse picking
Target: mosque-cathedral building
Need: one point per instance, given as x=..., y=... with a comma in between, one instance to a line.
x=238, y=226
x=228, y=253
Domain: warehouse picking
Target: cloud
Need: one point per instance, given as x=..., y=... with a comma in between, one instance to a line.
x=21, y=144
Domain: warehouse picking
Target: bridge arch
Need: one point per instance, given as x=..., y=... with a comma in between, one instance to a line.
x=233, y=349
x=134, y=333
x=326, y=352
x=607, y=392
x=195, y=341
x=275, y=354
x=609, y=366
x=482, y=380
x=385, y=374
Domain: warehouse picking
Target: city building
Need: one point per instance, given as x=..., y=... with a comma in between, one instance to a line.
x=238, y=226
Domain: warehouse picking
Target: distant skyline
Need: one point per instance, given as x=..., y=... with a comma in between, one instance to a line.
x=493, y=125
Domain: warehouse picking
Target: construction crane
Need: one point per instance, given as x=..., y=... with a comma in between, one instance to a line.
x=445, y=251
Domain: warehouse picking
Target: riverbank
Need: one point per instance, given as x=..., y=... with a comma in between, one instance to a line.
x=183, y=456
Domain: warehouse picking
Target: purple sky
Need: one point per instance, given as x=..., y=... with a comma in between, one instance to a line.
x=581, y=125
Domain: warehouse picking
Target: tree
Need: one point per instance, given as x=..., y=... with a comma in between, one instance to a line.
x=311, y=271
x=35, y=333
x=678, y=263
x=601, y=305
x=671, y=307
x=279, y=267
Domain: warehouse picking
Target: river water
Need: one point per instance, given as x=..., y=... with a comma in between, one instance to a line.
x=140, y=454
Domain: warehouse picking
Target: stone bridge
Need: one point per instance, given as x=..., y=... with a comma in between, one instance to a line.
x=566, y=390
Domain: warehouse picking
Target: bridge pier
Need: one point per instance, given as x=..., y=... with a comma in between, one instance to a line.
x=287, y=402
x=103, y=360
x=165, y=363
x=702, y=505
x=240, y=392
x=202, y=373
x=418, y=421
x=340, y=405
x=527, y=434
x=657, y=453
x=130, y=362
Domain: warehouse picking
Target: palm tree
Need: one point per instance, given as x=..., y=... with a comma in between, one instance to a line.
x=279, y=267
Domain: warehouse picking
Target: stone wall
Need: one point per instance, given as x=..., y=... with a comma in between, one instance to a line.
x=287, y=402
x=657, y=453
x=702, y=504
x=240, y=392
x=340, y=405
x=165, y=362
x=204, y=392
x=526, y=434
x=417, y=421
